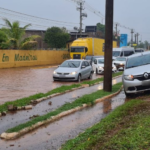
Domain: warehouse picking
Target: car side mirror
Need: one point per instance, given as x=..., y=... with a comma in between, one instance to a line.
x=82, y=67
x=86, y=49
x=95, y=62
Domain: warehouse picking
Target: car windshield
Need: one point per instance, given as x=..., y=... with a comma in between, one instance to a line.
x=138, y=61
x=116, y=53
x=77, y=49
x=71, y=64
x=120, y=59
x=88, y=57
x=101, y=61
x=138, y=51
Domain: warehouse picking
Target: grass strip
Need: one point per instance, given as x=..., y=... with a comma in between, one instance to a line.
x=108, y=134
x=101, y=79
x=26, y=101
x=86, y=99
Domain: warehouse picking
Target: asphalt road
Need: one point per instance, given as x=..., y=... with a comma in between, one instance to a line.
x=18, y=83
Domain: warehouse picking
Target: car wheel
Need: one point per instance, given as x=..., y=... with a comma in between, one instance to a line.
x=79, y=78
x=127, y=94
x=90, y=77
x=96, y=71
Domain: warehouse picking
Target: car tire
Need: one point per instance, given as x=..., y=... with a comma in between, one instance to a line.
x=79, y=78
x=128, y=95
x=96, y=71
x=90, y=77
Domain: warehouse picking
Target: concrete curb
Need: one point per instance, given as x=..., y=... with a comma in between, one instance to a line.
x=54, y=95
x=14, y=135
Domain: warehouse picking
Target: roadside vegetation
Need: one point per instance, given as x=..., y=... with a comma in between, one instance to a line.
x=13, y=37
x=86, y=99
x=27, y=100
x=126, y=128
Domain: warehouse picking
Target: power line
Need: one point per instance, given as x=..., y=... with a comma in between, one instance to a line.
x=35, y=16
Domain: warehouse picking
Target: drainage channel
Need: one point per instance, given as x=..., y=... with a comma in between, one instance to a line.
x=52, y=136
x=14, y=119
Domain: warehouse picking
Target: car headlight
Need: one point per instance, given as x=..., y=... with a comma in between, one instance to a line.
x=100, y=68
x=129, y=77
x=121, y=63
x=73, y=73
x=54, y=72
x=114, y=67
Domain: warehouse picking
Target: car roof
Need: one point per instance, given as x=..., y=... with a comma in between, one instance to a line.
x=139, y=54
x=123, y=48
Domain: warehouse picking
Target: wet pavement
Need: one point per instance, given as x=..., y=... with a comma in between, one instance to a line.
x=13, y=119
x=52, y=136
x=18, y=83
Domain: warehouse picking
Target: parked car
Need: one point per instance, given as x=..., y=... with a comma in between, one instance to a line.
x=91, y=58
x=136, y=76
x=74, y=70
x=119, y=62
x=123, y=52
x=98, y=66
x=139, y=50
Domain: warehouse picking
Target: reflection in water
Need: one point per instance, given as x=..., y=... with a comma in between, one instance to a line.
x=114, y=81
x=100, y=87
x=107, y=106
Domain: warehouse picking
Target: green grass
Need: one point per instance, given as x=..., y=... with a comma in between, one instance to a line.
x=25, y=101
x=86, y=99
x=126, y=128
x=101, y=79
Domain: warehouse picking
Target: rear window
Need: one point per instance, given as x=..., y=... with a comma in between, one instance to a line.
x=138, y=51
x=128, y=53
x=138, y=61
x=88, y=57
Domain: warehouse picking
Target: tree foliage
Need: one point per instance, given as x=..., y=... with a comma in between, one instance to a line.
x=56, y=37
x=14, y=36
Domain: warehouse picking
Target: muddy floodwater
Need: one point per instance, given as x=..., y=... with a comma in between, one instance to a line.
x=52, y=136
x=18, y=83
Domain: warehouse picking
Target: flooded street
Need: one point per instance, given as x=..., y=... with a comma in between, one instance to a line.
x=52, y=136
x=11, y=120
x=18, y=83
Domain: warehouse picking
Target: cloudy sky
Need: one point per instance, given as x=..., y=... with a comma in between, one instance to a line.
x=129, y=13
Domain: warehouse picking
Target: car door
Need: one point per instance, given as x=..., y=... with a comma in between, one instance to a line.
x=95, y=65
x=88, y=69
x=83, y=70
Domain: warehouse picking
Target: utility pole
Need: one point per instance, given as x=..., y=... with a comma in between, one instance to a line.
x=137, y=38
x=108, y=46
x=117, y=33
x=132, y=36
x=80, y=8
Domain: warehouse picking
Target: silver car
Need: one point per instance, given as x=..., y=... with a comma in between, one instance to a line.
x=136, y=76
x=74, y=70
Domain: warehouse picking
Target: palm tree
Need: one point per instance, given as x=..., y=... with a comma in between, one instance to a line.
x=15, y=33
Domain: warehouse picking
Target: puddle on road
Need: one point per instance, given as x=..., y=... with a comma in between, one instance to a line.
x=55, y=134
x=18, y=83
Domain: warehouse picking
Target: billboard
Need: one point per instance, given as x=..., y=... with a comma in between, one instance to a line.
x=123, y=40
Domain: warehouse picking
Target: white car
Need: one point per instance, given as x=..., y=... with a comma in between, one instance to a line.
x=98, y=66
x=120, y=62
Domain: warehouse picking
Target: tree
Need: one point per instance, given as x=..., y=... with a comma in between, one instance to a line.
x=56, y=37
x=3, y=40
x=101, y=28
x=15, y=34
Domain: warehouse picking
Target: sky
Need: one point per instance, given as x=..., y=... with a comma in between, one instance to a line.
x=133, y=14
